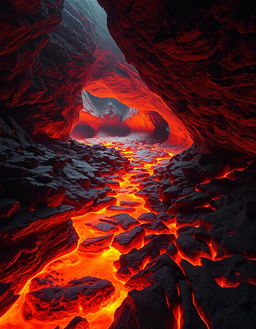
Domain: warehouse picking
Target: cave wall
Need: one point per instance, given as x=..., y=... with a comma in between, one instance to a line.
x=45, y=55
x=200, y=58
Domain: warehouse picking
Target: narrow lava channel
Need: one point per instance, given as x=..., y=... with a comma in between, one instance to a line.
x=100, y=260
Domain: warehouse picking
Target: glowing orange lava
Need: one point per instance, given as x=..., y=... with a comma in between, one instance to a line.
x=78, y=264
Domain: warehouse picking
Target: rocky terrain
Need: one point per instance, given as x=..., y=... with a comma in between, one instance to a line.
x=42, y=187
x=208, y=203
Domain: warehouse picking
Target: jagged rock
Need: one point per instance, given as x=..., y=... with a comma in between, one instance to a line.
x=192, y=200
x=59, y=301
x=134, y=260
x=124, y=220
x=78, y=323
x=147, y=217
x=130, y=203
x=103, y=227
x=8, y=207
x=128, y=240
x=191, y=318
x=234, y=269
x=143, y=309
x=217, y=187
x=101, y=203
x=121, y=208
x=150, y=274
x=192, y=247
x=171, y=193
x=96, y=244
x=156, y=226
x=28, y=223
x=236, y=309
x=20, y=261
x=215, y=103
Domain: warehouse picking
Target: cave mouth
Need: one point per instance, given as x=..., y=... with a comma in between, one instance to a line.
x=105, y=116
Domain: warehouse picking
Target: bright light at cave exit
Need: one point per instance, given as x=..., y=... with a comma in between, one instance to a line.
x=101, y=265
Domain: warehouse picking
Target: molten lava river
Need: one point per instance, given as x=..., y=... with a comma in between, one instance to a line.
x=91, y=281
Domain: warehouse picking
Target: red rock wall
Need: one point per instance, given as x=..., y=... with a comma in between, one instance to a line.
x=199, y=58
x=44, y=58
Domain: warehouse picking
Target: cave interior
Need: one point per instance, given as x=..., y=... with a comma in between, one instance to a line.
x=127, y=164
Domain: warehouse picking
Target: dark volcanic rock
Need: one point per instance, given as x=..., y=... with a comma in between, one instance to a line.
x=239, y=301
x=156, y=226
x=147, y=217
x=96, y=244
x=130, y=203
x=57, y=302
x=102, y=203
x=191, y=318
x=128, y=240
x=194, y=199
x=151, y=274
x=134, y=260
x=121, y=208
x=51, y=183
x=143, y=310
x=23, y=259
x=8, y=207
x=124, y=220
x=78, y=323
x=234, y=269
x=191, y=246
x=103, y=227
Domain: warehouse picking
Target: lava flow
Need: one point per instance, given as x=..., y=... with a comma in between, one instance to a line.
x=96, y=262
x=114, y=253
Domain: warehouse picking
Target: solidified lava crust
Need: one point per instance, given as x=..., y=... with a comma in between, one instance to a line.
x=156, y=254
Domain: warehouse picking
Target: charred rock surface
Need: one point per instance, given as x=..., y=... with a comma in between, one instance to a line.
x=58, y=301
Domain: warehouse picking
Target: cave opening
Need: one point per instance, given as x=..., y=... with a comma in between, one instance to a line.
x=109, y=117
x=127, y=164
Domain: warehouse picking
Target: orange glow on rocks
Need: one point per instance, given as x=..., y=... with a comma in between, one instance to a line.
x=118, y=250
x=95, y=260
x=225, y=283
x=200, y=312
x=178, y=315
